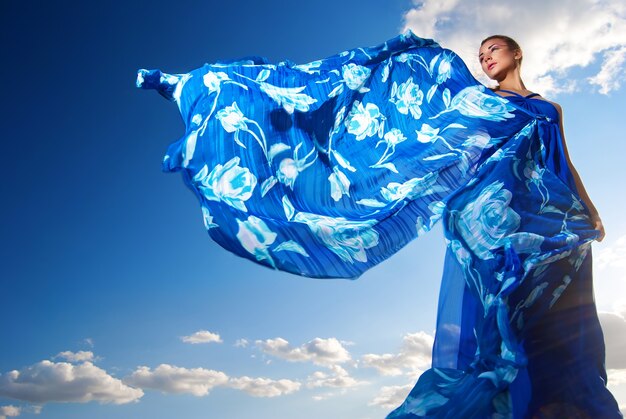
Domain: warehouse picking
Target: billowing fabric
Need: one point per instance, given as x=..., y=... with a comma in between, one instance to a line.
x=326, y=169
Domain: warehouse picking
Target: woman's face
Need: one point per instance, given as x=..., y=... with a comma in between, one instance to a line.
x=496, y=59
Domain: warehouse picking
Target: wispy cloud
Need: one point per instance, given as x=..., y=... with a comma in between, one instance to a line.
x=202, y=336
x=555, y=37
x=9, y=411
x=610, y=254
x=337, y=378
x=199, y=382
x=614, y=330
x=616, y=376
x=241, y=343
x=264, y=387
x=414, y=356
x=612, y=72
x=48, y=381
x=320, y=351
x=79, y=356
x=171, y=379
x=390, y=397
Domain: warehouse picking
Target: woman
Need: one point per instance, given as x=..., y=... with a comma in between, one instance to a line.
x=327, y=168
x=565, y=375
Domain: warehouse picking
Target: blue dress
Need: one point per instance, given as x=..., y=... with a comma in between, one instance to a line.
x=326, y=169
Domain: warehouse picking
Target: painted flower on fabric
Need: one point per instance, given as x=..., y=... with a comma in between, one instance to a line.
x=339, y=184
x=480, y=140
x=255, y=236
x=232, y=118
x=487, y=220
x=287, y=172
x=401, y=193
x=473, y=102
x=212, y=80
x=364, y=121
x=229, y=183
x=355, y=76
x=289, y=168
x=425, y=403
x=427, y=134
x=460, y=253
x=346, y=238
x=207, y=218
x=533, y=172
x=525, y=242
x=577, y=258
x=407, y=97
x=197, y=119
x=444, y=70
x=437, y=208
x=312, y=67
x=500, y=376
x=411, y=189
x=556, y=294
x=393, y=137
x=290, y=98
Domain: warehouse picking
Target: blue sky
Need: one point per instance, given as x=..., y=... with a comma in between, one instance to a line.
x=107, y=266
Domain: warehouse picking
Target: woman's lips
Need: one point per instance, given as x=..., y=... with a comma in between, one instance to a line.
x=491, y=65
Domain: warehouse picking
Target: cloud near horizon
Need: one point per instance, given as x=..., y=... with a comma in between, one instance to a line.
x=320, y=351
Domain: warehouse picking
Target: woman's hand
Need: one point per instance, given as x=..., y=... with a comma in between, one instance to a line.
x=597, y=224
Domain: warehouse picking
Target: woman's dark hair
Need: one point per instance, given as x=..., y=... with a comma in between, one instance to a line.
x=510, y=42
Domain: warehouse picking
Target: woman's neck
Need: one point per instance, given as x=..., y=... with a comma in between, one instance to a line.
x=512, y=81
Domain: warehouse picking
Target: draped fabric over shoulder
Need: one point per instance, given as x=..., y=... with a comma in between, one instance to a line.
x=327, y=168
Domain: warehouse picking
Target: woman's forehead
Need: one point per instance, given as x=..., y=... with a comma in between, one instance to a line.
x=484, y=47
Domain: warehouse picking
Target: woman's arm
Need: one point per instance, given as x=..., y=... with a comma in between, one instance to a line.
x=595, y=217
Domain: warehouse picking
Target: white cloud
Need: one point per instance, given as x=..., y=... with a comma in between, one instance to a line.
x=79, y=356
x=202, y=336
x=391, y=397
x=616, y=376
x=319, y=351
x=48, y=381
x=200, y=381
x=264, y=387
x=555, y=37
x=9, y=411
x=338, y=379
x=241, y=343
x=610, y=255
x=614, y=330
x=172, y=379
x=612, y=72
x=415, y=356
x=324, y=396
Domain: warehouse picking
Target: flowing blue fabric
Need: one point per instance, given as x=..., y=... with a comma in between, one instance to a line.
x=328, y=168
